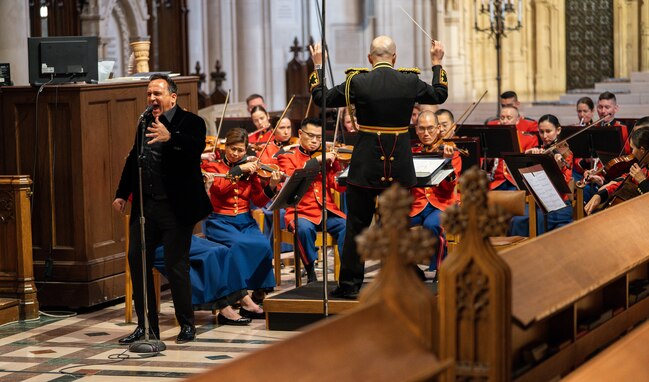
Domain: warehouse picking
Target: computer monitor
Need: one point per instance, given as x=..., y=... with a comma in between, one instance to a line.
x=62, y=59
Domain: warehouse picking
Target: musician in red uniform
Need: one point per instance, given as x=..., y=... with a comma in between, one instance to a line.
x=280, y=139
x=310, y=207
x=235, y=189
x=501, y=178
x=549, y=130
x=510, y=98
x=639, y=142
x=261, y=120
x=430, y=202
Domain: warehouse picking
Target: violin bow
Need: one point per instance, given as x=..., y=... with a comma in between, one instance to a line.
x=272, y=134
x=467, y=113
x=564, y=140
x=336, y=129
x=218, y=130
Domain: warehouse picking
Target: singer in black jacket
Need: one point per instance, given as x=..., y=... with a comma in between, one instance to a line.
x=174, y=201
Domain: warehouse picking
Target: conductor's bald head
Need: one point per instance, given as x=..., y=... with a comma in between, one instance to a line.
x=382, y=49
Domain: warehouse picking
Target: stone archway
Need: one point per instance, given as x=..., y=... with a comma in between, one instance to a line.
x=117, y=22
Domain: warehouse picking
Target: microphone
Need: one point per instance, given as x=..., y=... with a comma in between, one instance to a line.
x=146, y=111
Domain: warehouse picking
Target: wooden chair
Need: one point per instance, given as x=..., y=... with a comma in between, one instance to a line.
x=513, y=202
x=285, y=236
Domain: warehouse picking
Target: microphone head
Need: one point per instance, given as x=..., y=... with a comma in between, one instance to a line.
x=149, y=109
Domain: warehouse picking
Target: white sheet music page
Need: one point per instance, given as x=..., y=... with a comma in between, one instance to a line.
x=425, y=166
x=542, y=188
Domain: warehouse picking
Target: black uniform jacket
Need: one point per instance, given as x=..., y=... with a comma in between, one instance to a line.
x=181, y=171
x=384, y=98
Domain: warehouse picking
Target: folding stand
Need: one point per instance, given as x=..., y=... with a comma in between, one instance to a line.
x=588, y=143
x=291, y=193
x=536, y=163
x=494, y=139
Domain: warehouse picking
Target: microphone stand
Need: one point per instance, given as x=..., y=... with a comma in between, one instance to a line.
x=146, y=346
x=323, y=147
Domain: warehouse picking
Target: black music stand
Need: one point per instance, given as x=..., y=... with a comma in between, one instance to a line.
x=291, y=193
x=494, y=139
x=588, y=143
x=518, y=163
x=472, y=145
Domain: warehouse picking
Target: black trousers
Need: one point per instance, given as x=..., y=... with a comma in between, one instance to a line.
x=361, y=206
x=161, y=227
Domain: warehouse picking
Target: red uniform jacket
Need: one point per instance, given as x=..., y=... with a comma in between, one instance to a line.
x=260, y=137
x=310, y=207
x=270, y=154
x=440, y=196
x=232, y=195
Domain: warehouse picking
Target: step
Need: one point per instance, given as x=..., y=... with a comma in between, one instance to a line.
x=9, y=310
x=622, y=99
x=639, y=76
x=622, y=87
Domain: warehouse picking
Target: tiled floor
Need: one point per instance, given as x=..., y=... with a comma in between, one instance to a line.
x=85, y=348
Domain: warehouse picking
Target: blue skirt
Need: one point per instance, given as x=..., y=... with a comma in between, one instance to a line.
x=248, y=246
x=213, y=271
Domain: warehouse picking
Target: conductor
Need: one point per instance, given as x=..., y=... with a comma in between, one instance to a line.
x=384, y=98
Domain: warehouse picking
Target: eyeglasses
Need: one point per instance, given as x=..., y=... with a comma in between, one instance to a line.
x=429, y=129
x=317, y=137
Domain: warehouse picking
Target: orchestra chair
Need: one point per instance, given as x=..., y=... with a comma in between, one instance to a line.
x=578, y=203
x=513, y=202
x=128, y=287
x=285, y=236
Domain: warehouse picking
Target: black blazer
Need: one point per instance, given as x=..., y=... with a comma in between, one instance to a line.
x=384, y=97
x=181, y=172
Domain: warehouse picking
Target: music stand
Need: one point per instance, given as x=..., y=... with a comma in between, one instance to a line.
x=494, y=139
x=290, y=195
x=472, y=145
x=585, y=145
x=518, y=163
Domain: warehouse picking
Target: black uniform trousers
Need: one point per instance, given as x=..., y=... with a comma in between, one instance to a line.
x=361, y=206
x=161, y=227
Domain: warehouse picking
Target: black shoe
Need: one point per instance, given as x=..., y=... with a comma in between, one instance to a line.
x=251, y=315
x=187, y=333
x=310, y=273
x=138, y=335
x=348, y=293
x=222, y=320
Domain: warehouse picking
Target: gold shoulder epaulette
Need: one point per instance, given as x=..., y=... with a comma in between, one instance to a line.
x=356, y=70
x=410, y=70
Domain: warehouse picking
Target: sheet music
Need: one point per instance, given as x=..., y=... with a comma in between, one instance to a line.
x=425, y=166
x=439, y=176
x=542, y=188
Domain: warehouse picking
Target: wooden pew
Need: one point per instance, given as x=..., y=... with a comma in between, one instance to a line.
x=547, y=305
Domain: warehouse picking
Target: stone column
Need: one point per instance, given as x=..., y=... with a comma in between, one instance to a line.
x=250, y=53
x=14, y=30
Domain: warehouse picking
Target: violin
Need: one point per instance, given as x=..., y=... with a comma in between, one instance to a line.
x=560, y=148
x=212, y=144
x=627, y=189
x=343, y=152
x=439, y=148
x=266, y=170
x=615, y=168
